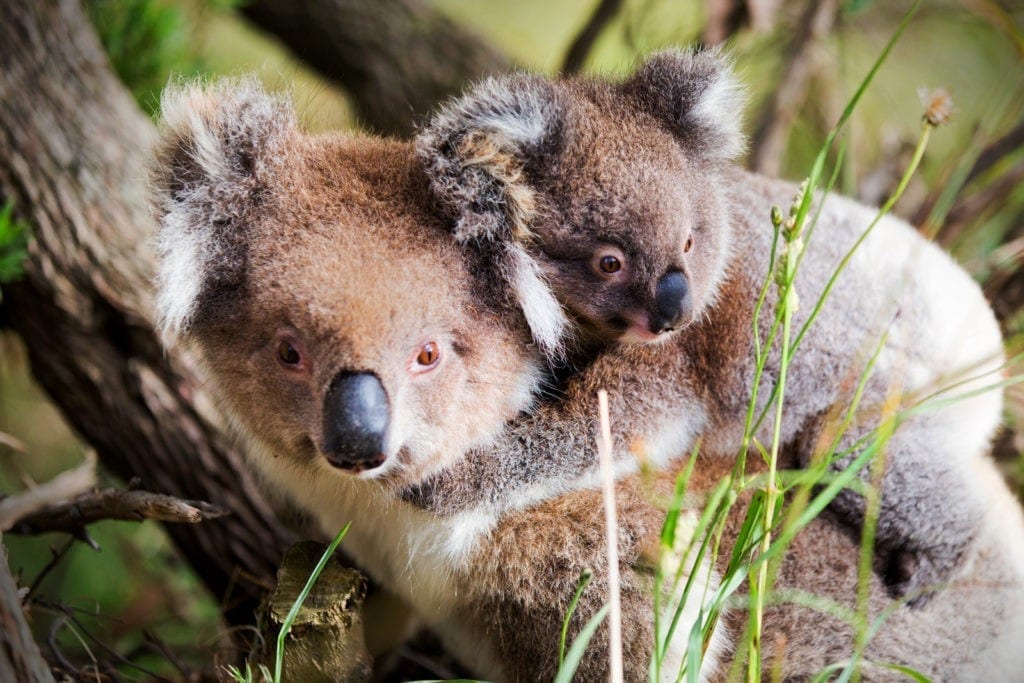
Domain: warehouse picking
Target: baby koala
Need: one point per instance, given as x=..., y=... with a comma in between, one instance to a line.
x=624, y=198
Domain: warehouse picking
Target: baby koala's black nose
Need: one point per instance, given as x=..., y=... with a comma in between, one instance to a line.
x=672, y=302
x=356, y=418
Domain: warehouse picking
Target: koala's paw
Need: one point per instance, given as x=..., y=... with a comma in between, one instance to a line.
x=916, y=576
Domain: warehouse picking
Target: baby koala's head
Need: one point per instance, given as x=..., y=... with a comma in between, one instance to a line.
x=612, y=191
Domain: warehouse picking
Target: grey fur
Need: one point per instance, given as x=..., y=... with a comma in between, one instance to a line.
x=697, y=383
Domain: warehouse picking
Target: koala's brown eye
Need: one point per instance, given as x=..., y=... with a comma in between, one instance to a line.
x=689, y=245
x=288, y=354
x=610, y=264
x=428, y=355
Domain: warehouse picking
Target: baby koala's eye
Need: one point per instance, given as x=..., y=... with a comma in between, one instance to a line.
x=288, y=354
x=610, y=264
x=689, y=245
x=427, y=357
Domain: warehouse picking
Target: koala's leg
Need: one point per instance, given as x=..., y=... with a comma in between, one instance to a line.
x=518, y=588
x=931, y=502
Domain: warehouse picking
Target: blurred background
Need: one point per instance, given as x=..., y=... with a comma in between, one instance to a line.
x=801, y=62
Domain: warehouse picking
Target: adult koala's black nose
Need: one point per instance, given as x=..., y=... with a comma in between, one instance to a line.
x=672, y=302
x=356, y=418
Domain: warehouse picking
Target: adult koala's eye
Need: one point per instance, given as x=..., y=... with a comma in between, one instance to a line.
x=288, y=354
x=689, y=245
x=427, y=357
x=291, y=353
x=610, y=264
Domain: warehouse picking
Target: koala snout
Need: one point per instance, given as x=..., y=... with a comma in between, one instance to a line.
x=356, y=418
x=673, y=304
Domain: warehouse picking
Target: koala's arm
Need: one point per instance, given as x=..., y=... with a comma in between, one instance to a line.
x=931, y=504
x=554, y=448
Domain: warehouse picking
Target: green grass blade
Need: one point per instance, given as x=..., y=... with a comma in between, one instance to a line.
x=579, y=646
x=586, y=576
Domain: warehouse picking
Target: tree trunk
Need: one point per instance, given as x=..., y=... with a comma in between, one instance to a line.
x=396, y=58
x=74, y=150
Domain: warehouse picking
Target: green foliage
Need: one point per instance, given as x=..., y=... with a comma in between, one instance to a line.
x=13, y=244
x=249, y=675
x=146, y=41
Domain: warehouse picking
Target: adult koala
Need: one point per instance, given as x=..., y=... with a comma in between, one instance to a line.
x=358, y=351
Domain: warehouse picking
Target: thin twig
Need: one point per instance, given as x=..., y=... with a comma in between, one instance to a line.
x=45, y=571
x=65, y=485
x=576, y=56
x=158, y=645
x=993, y=153
x=604, y=447
x=990, y=198
x=133, y=506
x=69, y=614
x=996, y=150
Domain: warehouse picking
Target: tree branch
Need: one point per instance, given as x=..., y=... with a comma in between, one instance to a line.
x=581, y=46
x=396, y=58
x=128, y=506
x=65, y=485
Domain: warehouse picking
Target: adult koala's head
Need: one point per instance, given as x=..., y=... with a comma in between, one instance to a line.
x=340, y=323
x=612, y=190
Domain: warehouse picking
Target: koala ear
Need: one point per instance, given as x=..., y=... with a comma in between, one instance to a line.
x=219, y=147
x=696, y=96
x=474, y=151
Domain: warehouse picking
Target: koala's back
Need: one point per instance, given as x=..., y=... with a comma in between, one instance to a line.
x=937, y=327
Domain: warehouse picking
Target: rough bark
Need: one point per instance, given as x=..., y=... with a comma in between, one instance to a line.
x=73, y=155
x=396, y=58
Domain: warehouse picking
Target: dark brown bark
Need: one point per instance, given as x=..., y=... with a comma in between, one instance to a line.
x=20, y=659
x=396, y=58
x=73, y=155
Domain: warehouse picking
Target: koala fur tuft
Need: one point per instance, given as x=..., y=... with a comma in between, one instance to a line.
x=697, y=97
x=211, y=166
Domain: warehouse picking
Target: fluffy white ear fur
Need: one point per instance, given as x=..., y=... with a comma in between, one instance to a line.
x=217, y=142
x=548, y=322
x=697, y=95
